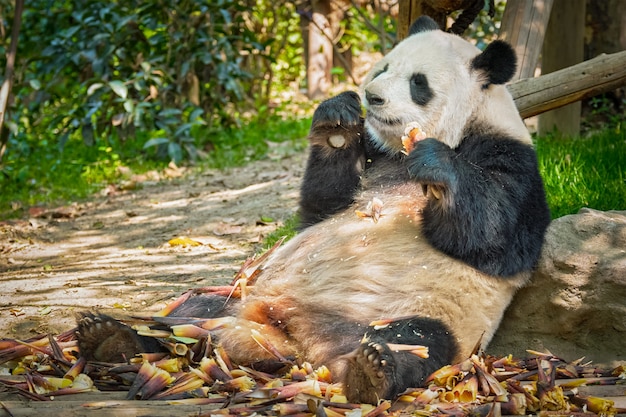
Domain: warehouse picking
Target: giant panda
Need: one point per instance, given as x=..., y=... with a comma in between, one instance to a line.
x=396, y=248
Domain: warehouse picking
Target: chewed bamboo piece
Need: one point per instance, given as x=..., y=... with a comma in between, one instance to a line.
x=412, y=134
x=372, y=211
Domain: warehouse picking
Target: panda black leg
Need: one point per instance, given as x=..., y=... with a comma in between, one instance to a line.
x=336, y=159
x=380, y=368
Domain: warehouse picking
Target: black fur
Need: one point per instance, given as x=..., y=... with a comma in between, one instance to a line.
x=493, y=214
x=205, y=306
x=421, y=93
x=376, y=371
x=498, y=61
x=332, y=174
x=423, y=24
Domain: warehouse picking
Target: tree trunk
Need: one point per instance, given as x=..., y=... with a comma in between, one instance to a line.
x=411, y=10
x=438, y=10
x=524, y=26
x=5, y=91
x=560, y=51
x=606, y=27
x=605, y=33
x=320, y=50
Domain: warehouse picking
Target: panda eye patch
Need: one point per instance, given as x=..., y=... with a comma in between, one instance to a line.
x=381, y=71
x=420, y=90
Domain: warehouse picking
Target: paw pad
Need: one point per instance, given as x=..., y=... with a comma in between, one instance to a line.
x=372, y=358
x=337, y=141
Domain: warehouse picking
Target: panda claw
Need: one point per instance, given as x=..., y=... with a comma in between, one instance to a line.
x=432, y=191
x=435, y=192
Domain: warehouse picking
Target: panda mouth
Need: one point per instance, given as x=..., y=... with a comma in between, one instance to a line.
x=385, y=131
x=384, y=120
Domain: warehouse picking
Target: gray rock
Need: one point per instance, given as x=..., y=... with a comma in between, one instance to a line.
x=575, y=304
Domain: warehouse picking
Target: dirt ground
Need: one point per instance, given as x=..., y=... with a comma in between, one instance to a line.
x=112, y=254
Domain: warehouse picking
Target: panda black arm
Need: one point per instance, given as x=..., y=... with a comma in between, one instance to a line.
x=336, y=158
x=487, y=203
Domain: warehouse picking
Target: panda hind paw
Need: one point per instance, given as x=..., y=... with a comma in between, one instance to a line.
x=369, y=377
x=102, y=338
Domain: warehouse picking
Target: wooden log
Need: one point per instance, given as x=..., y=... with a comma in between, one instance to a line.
x=596, y=76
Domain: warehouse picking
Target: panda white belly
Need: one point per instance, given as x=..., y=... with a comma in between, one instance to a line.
x=365, y=271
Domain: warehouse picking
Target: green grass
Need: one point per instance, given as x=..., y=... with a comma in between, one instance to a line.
x=584, y=172
x=287, y=230
x=257, y=139
x=46, y=175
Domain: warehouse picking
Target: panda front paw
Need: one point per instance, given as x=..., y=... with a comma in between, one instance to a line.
x=337, y=122
x=431, y=164
x=369, y=378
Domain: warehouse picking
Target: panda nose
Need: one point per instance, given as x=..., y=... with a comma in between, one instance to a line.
x=374, y=99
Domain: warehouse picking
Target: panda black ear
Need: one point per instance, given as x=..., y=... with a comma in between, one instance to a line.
x=423, y=24
x=498, y=61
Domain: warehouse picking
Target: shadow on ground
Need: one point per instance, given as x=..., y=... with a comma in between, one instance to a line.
x=113, y=255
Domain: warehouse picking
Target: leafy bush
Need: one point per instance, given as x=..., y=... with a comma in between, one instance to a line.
x=92, y=71
x=95, y=69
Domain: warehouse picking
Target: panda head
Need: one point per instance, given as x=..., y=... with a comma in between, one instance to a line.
x=444, y=84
